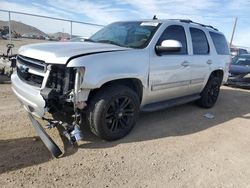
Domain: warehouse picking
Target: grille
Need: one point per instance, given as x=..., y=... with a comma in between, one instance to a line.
x=31, y=70
x=31, y=79
x=32, y=63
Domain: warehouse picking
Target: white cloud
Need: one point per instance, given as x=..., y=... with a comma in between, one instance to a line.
x=239, y=5
x=242, y=37
x=211, y=12
x=58, y=12
x=101, y=13
x=165, y=9
x=28, y=8
x=44, y=24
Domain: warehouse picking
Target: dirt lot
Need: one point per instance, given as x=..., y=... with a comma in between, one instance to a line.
x=177, y=147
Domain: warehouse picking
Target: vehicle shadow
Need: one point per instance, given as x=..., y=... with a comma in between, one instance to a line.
x=22, y=152
x=181, y=120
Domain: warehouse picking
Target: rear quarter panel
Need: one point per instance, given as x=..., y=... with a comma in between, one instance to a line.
x=220, y=62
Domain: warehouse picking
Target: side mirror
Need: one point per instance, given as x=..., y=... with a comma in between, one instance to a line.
x=168, y=46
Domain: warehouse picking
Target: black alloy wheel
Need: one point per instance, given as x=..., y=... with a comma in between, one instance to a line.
x=119, y=114
x=210, y=93
x=113, y=111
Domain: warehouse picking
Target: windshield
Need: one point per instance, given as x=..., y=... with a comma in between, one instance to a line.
x=126, y=34
x=241, y=61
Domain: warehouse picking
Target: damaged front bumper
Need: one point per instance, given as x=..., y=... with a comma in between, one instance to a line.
x=42, y=88
x=28, y=96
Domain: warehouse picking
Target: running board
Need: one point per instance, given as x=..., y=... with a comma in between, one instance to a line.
x=49, y=143
x=169, y=103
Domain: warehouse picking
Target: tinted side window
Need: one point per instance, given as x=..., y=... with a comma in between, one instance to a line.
x=175, y=32
x=242, y=51
x=220, y=43
x=199, y=41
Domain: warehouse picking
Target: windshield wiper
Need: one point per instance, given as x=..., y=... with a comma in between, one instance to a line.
x=109, y=42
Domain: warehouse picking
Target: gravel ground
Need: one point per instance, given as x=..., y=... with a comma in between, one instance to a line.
x=176, y=147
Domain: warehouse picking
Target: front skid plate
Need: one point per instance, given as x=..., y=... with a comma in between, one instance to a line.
x=49, y=143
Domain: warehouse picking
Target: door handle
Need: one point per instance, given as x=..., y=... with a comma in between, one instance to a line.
x=185, y=63
x=209, y=62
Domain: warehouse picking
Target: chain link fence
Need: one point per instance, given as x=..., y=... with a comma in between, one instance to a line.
x=22, y=28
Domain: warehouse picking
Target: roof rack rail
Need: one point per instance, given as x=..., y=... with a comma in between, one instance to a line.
x=203, y=25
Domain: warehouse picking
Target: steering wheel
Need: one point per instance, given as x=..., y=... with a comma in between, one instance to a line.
x=10, y=46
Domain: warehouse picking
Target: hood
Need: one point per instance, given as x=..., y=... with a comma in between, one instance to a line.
x=239, y=69
x=61, y=52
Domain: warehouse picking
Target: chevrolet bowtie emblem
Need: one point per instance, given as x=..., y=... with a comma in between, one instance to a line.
x=23, y=69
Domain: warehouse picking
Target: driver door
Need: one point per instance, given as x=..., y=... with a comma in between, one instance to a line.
x=170, y=71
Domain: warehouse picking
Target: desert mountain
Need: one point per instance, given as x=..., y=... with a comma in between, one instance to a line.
x=22, y=28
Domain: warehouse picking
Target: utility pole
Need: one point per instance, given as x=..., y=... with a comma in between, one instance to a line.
x=10, y=28
x=70, y=29
x=235, y=22
x=62, y=34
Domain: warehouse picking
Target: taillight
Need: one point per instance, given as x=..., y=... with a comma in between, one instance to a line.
x=228, y=65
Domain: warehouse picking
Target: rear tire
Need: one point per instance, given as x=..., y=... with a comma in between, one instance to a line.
x=210, y=93
x=112, y=112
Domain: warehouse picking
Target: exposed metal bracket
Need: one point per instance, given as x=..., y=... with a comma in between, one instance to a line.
x=49, y=143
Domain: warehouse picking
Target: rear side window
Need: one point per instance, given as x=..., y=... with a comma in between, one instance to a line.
x=220, y=43
x=175, y=32
x=199, y=41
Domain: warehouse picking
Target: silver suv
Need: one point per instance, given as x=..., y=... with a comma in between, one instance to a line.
x=124, y=68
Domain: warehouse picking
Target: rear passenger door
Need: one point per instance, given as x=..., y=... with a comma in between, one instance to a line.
x=201, y=59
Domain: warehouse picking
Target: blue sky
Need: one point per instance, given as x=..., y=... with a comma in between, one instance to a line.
x=220, y=14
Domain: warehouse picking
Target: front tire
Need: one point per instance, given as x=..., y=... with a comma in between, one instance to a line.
x=113, y=111
x=210, y=93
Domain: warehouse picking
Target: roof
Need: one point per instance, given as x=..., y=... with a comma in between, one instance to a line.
x=179, y=20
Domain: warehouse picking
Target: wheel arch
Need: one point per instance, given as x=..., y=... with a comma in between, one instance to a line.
x=217, y=73
x=133, y=83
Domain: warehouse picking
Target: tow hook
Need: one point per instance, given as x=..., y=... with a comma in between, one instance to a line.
x=73, y=134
